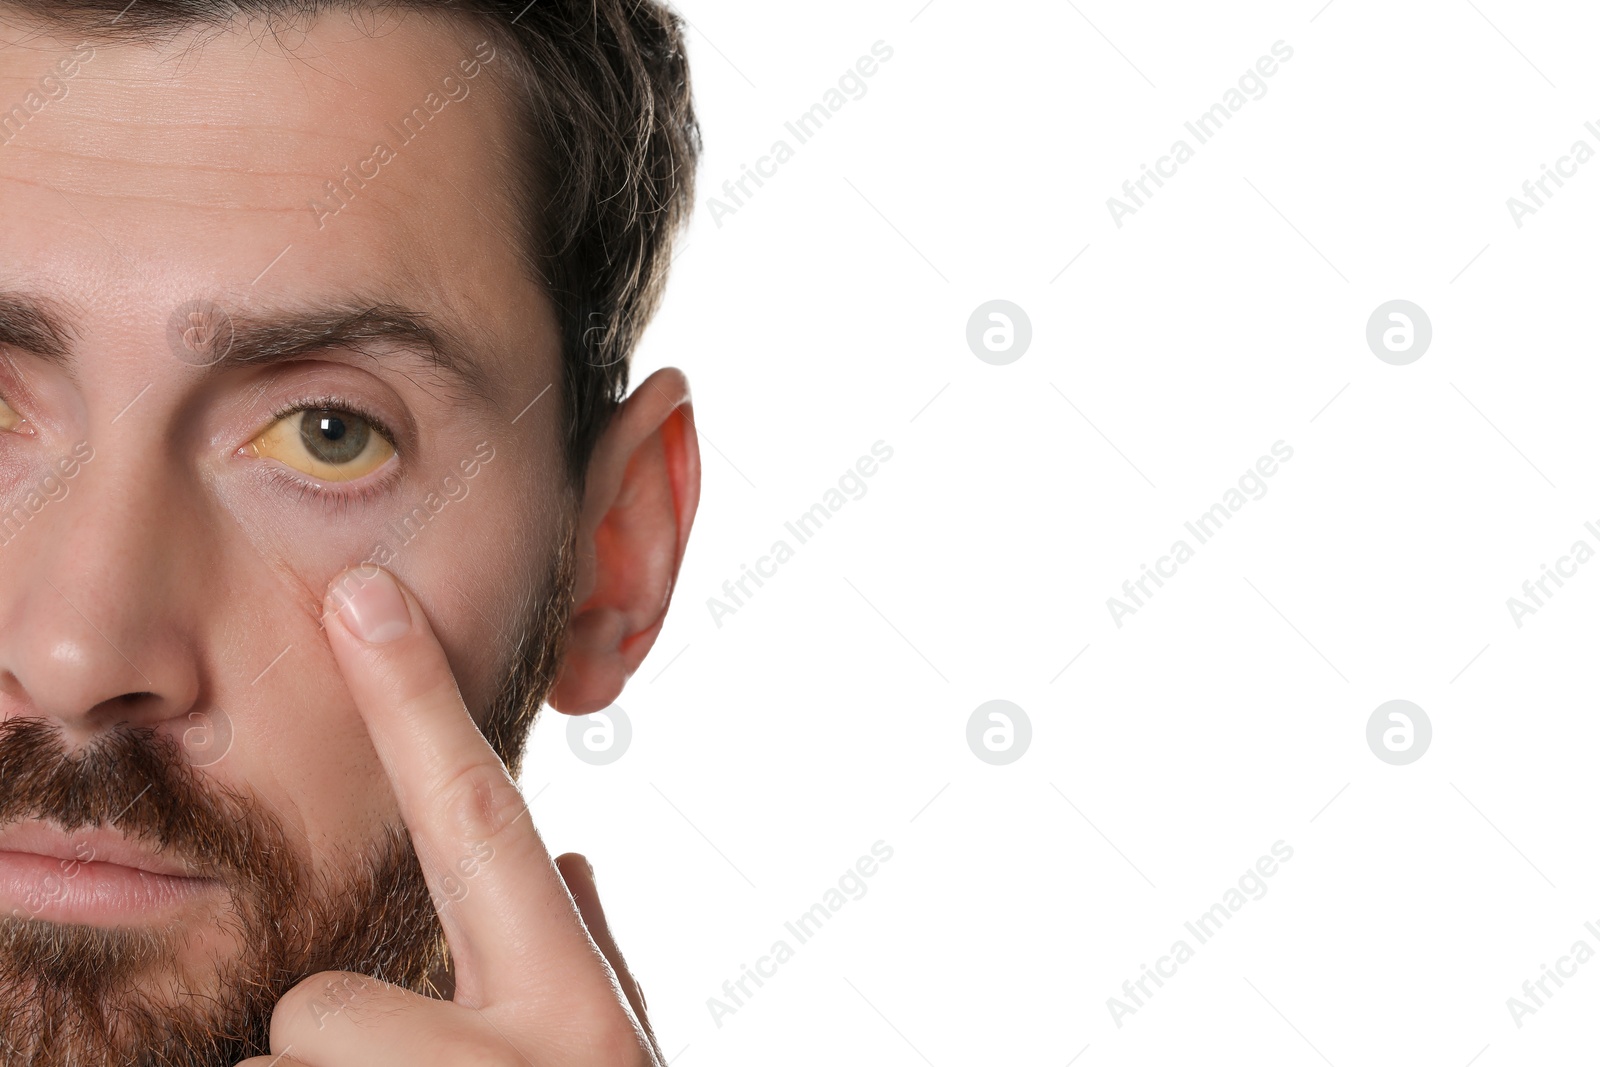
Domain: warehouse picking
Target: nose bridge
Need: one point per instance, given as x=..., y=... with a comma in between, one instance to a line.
x=90, y=631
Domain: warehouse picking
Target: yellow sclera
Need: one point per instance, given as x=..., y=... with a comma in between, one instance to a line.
x=295, y=442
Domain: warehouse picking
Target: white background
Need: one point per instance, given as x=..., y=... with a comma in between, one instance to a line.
x=830, y=711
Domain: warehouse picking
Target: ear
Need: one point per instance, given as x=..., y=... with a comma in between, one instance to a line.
x=639, y=502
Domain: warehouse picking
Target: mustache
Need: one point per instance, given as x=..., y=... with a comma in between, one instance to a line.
x=137, y=781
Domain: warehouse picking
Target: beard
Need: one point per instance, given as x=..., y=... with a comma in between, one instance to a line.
x=78, y=994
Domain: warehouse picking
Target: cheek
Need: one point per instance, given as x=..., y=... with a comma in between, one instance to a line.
x=474, y=598
x=484, y=574
x=294, y=739
x=311, y=757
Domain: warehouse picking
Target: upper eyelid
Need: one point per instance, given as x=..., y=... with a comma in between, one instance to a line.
x=312, y=380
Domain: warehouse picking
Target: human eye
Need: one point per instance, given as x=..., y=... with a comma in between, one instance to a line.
x=327, y=441
x=9, y=419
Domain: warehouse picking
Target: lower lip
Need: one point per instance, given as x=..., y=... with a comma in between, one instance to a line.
x=66, y=891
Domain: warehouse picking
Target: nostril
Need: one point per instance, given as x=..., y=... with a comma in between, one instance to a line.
x=121, y=705
x=124, y=709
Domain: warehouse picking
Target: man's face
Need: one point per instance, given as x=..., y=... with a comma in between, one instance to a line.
x=181, y=476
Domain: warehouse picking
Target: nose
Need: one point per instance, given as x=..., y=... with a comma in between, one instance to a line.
x=94, y=625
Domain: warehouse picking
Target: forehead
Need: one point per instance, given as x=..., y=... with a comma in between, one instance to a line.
x=352, y=153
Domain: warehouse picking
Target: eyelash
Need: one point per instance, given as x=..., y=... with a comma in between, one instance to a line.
x=340, y=500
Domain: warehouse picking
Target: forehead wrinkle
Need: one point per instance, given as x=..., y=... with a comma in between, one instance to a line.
x=226, y=125
x=186, y=162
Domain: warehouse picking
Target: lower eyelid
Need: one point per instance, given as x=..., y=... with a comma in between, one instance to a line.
x=335, y=494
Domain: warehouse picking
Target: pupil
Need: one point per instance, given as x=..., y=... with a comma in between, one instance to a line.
x=334, y=437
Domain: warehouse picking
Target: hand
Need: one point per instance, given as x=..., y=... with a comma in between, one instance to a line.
x=538, y=979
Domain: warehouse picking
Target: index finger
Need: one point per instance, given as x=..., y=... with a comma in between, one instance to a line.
x=507, y=915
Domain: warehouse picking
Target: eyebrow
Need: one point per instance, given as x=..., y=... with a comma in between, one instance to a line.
x=263, y=337
x=35, y=325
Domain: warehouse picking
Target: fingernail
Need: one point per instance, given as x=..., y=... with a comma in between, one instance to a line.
x=373, y=608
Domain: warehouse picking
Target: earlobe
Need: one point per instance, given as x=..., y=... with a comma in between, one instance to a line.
x=639, y=504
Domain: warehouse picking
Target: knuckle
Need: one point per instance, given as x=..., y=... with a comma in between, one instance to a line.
x=479, y=803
